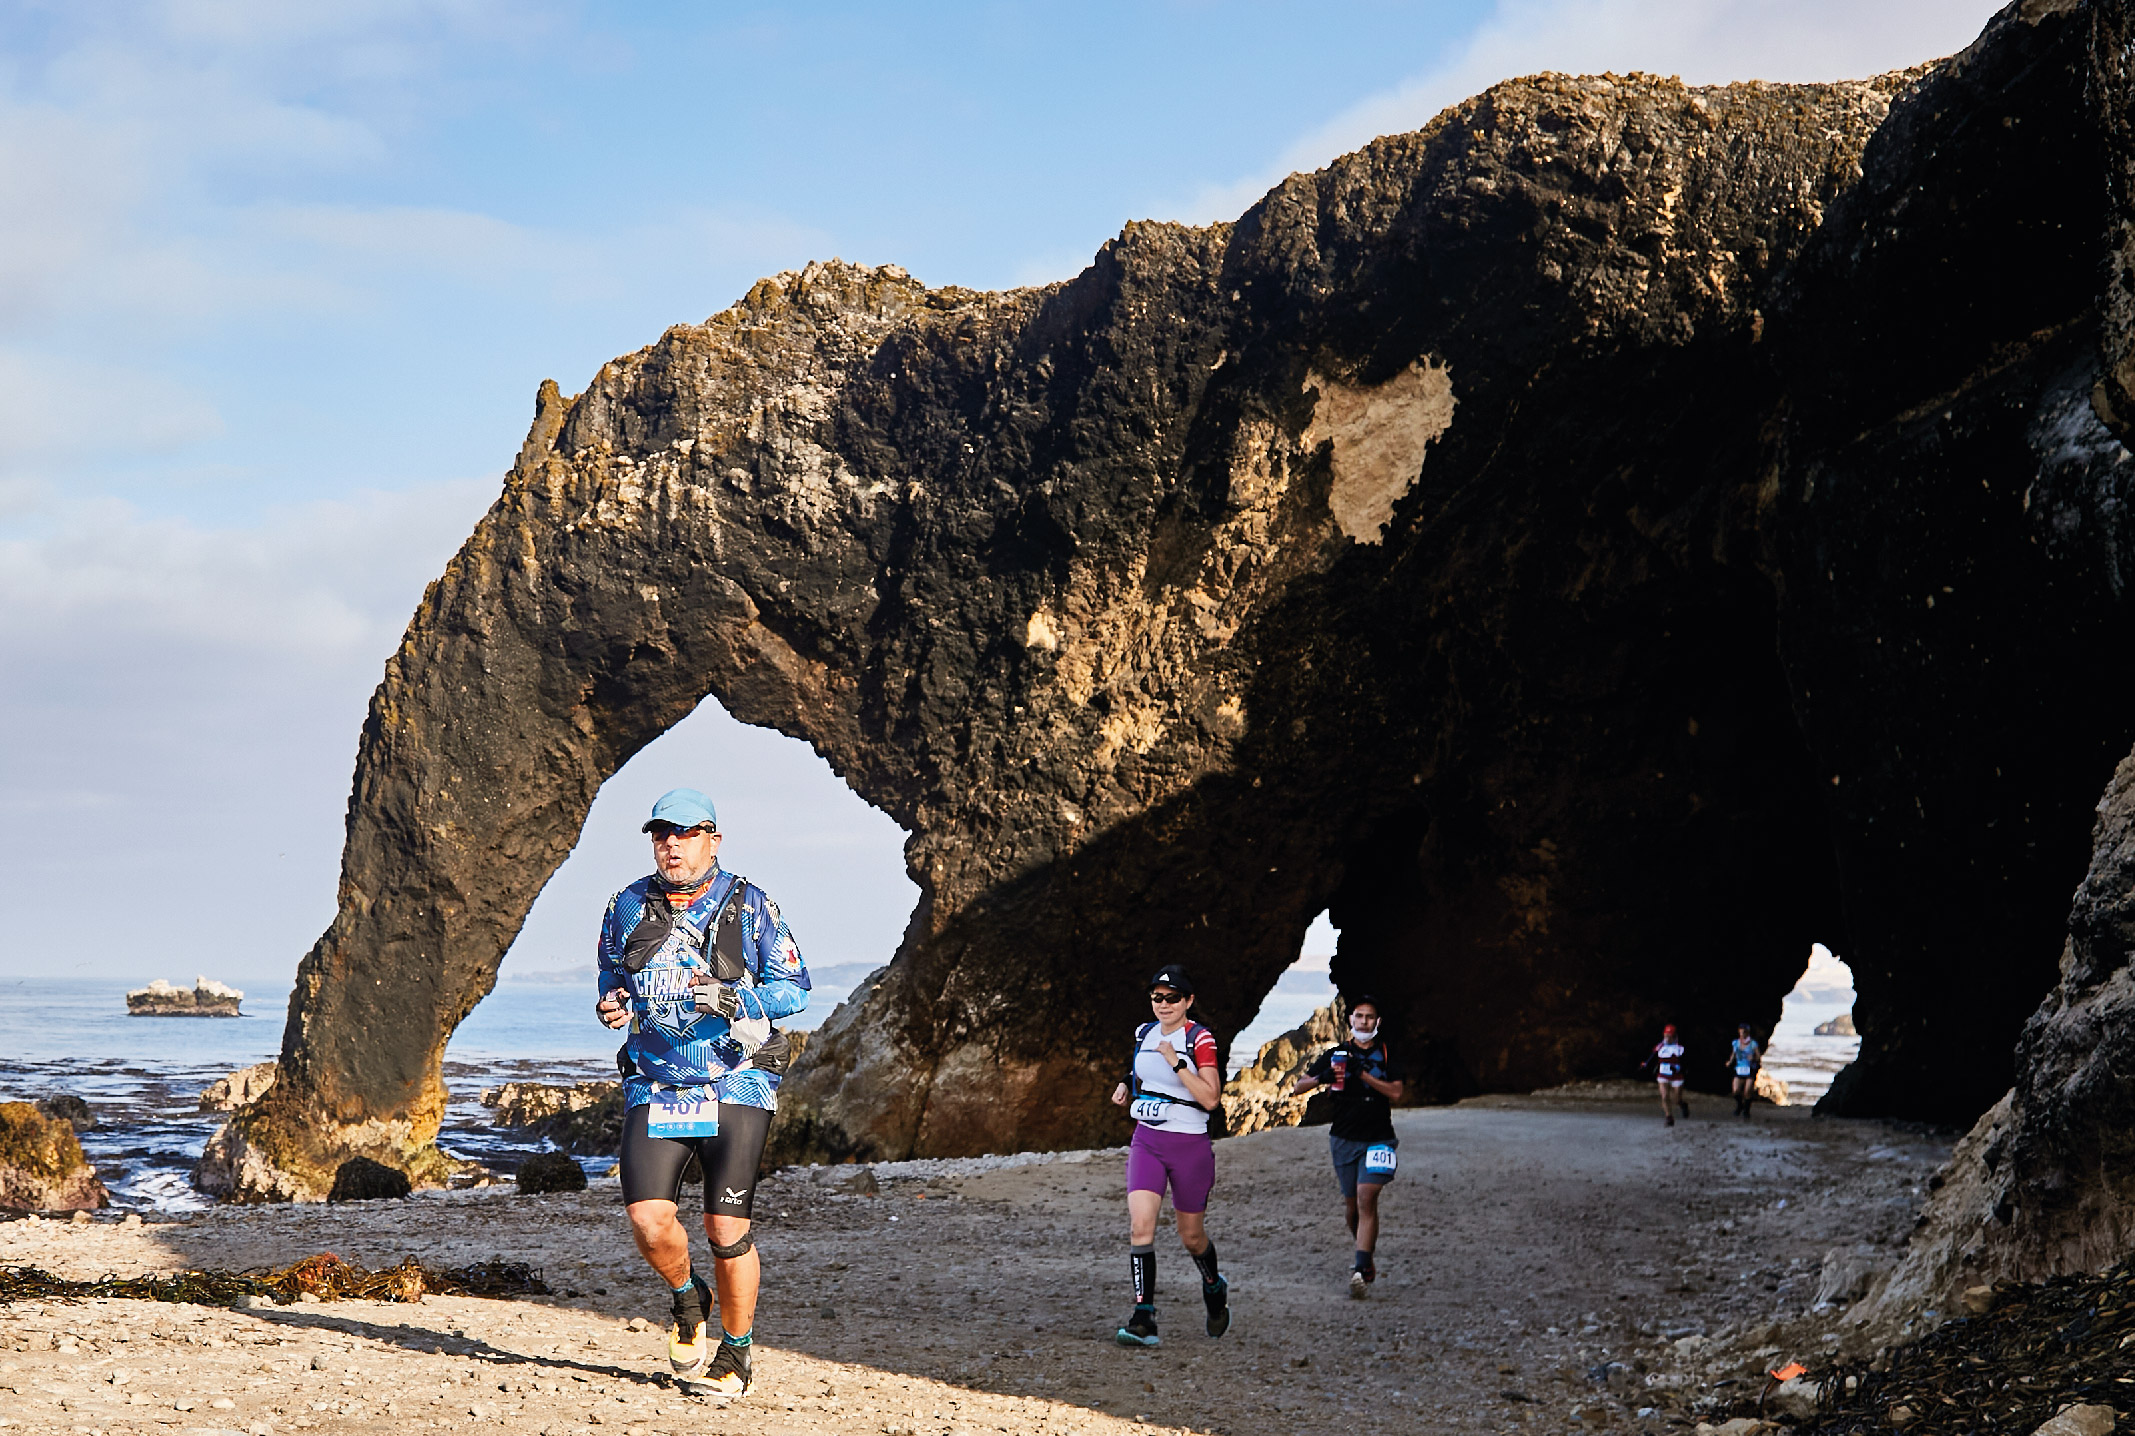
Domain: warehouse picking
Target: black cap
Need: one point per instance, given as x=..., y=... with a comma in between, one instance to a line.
x=1173, y=976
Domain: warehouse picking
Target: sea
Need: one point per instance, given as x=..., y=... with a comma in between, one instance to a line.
x=142, y=1076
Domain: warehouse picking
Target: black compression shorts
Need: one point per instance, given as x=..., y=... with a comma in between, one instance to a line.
x=652, y=1166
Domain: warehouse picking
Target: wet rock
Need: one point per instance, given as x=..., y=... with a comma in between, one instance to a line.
x=1795, y=1399
x=41, y=1164
x=586, y=1117
x=1846, y=1275
x=362, y=1180
x=2080, y=1420
x=240, y=1089
x=850, y=1179
x=206, y=998
x=550, y=1172
x=69, y=1109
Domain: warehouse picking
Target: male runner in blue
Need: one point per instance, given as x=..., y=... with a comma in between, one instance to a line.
x=697, y=962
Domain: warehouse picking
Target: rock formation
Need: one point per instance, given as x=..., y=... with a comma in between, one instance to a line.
x=205, y=999
x=240, y=1089
x=1598, y=544
x=1259, y=1096
x=2044, y=1184
x=41, y=1164
x=584, y=1117
x=1839, y=1026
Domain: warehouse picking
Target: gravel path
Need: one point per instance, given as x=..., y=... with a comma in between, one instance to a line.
x=1529, y=1242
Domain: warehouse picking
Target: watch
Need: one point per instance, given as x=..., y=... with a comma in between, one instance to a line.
x=1179, y=1066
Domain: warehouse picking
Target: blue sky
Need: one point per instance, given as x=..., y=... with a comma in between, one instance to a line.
x=278, y=281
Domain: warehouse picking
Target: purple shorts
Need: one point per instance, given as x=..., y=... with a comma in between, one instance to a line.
x=1186, y=1159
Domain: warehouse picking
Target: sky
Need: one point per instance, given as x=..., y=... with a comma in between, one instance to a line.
x=278, y=282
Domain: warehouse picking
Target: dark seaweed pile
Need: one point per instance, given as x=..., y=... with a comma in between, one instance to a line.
x=2038, y=1349
x=326, y=1277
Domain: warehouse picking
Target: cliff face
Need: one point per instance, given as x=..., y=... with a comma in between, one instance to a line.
x=1600, y=544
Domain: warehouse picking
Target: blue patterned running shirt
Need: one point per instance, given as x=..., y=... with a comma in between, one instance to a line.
x=670, y=1041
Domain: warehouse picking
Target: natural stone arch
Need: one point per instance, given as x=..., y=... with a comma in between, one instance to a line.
x=1057, y=578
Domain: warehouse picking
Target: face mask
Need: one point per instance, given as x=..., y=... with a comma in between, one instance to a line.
x=1365, y=1035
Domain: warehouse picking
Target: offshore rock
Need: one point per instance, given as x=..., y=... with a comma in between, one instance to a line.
x=1596, y=545
x=1839, y=1026
x=41, y=1164
x=206, y=998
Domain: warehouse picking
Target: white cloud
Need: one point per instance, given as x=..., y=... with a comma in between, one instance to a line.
x=327, y=583
x=52, y=407
x=1702, y=41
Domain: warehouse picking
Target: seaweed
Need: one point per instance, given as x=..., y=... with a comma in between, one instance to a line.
x=325, y=1277
x=2036, y=1349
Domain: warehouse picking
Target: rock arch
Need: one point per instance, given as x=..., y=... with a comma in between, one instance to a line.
x=1487, y=535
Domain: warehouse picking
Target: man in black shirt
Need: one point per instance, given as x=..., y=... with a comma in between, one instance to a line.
x=1365, y=1083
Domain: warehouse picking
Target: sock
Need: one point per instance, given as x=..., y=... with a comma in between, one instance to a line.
x=747, y=1338
x=1206, y=1260
x=689, y=1284
x=1364, y=1263
x=1144, y=1259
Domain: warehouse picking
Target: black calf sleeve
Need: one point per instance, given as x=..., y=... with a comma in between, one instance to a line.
x=1144, y=1259
x=1206, y=1260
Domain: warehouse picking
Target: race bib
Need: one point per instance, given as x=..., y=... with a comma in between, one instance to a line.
x=1148, y=1109
x=1742, y=1069
x=683, y=1112
x=1381, y=1158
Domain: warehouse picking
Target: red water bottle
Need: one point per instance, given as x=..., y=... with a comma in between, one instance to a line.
x=1340, y=1060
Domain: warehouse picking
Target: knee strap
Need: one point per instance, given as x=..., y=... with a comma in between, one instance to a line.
x=728, y=1253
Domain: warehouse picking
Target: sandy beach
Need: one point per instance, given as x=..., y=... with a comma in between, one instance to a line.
x=1528, y=1242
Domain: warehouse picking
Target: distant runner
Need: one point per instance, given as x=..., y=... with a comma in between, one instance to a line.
x=1172, y=1084
x=1666, y=1061
x=698, y=962
x=1743, y=1060
x=1365, y=1083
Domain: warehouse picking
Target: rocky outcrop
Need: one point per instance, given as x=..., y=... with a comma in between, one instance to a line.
x=41, y=1164
x=205, y=998
x=1839, y=1026
x=2044, y=1183
x=1598, y=545
x=240, y=1089
x=1259, y=1096
x=584, y=1117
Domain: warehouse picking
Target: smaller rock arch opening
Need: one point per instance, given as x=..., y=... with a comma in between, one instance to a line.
x=833, y=863
x=1303, y=988
x=1814, y=1040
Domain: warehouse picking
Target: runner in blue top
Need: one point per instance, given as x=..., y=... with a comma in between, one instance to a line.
x=1743, y=1060
x=697, y=963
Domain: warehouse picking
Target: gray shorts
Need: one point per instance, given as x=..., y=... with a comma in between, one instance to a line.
x=1349, y=1164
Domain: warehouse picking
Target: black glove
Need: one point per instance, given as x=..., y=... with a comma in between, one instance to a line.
x=720, y=998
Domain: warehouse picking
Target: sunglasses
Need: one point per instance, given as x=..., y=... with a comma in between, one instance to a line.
x=1167, y=998
x=669, y=830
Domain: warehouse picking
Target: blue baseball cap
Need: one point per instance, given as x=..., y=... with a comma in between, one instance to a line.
x=683, y=808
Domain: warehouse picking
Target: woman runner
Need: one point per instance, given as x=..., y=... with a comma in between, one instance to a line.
x=1171, y=1087
x=1666, y=1061
x=1743, y=1060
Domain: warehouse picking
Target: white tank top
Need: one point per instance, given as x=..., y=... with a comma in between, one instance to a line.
x=1155, y=1080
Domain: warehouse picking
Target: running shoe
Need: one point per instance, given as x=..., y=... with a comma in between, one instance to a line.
x=1140, y=1329
x=1216, y=1296
x=729, y=1374
x=1359, y=1285
x=1671, y=1121
x=686, y=1345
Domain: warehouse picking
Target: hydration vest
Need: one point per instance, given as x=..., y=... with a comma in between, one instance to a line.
x=728, y=960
